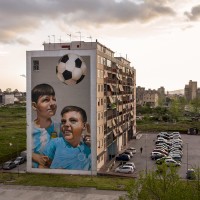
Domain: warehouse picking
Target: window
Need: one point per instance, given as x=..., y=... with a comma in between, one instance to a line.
x=98, y=88
x=101, y=158
x=98, y=101
x=102, y=88
x=108, y=63
x=101, y=75
x=98, y=73
x=98, y=116
x=35, y=65
x=101, y=102
x=99, y=59
x=101, y=115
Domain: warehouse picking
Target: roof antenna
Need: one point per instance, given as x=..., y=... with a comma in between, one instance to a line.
x=80, y=37
x=70, y=35
x=91, y=39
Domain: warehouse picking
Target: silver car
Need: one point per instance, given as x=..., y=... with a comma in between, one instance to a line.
x=125, y=169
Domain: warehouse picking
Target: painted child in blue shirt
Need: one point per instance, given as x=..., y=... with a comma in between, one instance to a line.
x=44, y=129
x=69, y=151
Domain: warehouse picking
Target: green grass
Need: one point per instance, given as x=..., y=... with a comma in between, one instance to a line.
x=12, y=131
x=70, y=181
x=152, y=126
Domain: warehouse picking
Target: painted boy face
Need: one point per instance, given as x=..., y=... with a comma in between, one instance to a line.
x=46, y=106
x=72, y=127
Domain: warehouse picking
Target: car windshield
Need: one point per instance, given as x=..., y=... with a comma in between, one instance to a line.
x=7, y=164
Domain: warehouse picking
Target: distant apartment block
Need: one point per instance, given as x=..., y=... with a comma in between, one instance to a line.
x=161, y=92
x=148, y=97
x=7, y=99
x=191, y=90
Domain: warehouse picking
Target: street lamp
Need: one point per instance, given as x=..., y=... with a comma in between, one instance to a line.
x=146, y=152
x=187, y=155
x=17, y=154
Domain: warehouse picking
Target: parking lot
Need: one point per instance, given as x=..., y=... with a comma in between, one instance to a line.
x=143, y=162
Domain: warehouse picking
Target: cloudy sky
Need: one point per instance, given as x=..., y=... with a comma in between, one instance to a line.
x=161, y=38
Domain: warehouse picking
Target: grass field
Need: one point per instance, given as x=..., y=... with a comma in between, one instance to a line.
x=70, y=181
x=12, y=131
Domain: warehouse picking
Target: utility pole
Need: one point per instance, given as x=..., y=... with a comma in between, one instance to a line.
x=146, y=152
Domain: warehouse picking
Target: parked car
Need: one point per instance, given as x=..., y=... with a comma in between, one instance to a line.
x=163, y=136
x=128, y=153
x=156, y=155
x=177, y=143
x=23, y=154
x=162, y=139
x=162, y=147
x=9, y=165
x=192, y=131
x=130, y=164
x=190, y=174
x=162, y=142
x=124, y=169
x=176, y=136
x=133, y=149
x=172, y=162
x=161, y=160
x=122, y=157
x=177, y=152
x=161, y=151
x=158, y=151
x=176, y=147
x=19, y=160
x=176, y=157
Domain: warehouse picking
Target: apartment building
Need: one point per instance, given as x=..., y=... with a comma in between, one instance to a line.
x=147, y=97
x=108, y=93
x=116, y=104
x=190, y=90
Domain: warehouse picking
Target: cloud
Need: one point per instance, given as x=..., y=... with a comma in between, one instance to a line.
x=25, y=16
x=194, y=14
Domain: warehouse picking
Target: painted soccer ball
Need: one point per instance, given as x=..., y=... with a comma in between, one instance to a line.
x=71, y=69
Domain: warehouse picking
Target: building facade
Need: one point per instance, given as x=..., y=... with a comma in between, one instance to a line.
x=111, y=94
x=190, y=90
x=147, y=97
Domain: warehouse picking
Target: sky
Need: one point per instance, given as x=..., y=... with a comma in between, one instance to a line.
x=161, y=38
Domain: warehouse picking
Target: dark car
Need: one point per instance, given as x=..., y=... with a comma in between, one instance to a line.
x=190, y=174
x=193, y=131
x=9, y=165
x=19, y=160
x=122, y=157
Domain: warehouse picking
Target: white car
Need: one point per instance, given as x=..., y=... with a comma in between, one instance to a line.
x=130, y=164
x=125, y=169
x=128, y=153
x=133, y=149
x=172, y=162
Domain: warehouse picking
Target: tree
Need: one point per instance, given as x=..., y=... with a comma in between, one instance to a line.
x=177, y=108
x=16, y=91
x=8, y=90
x=162, y=184
x=195, y=103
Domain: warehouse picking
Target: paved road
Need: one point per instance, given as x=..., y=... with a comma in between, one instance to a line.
x=9, y=192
